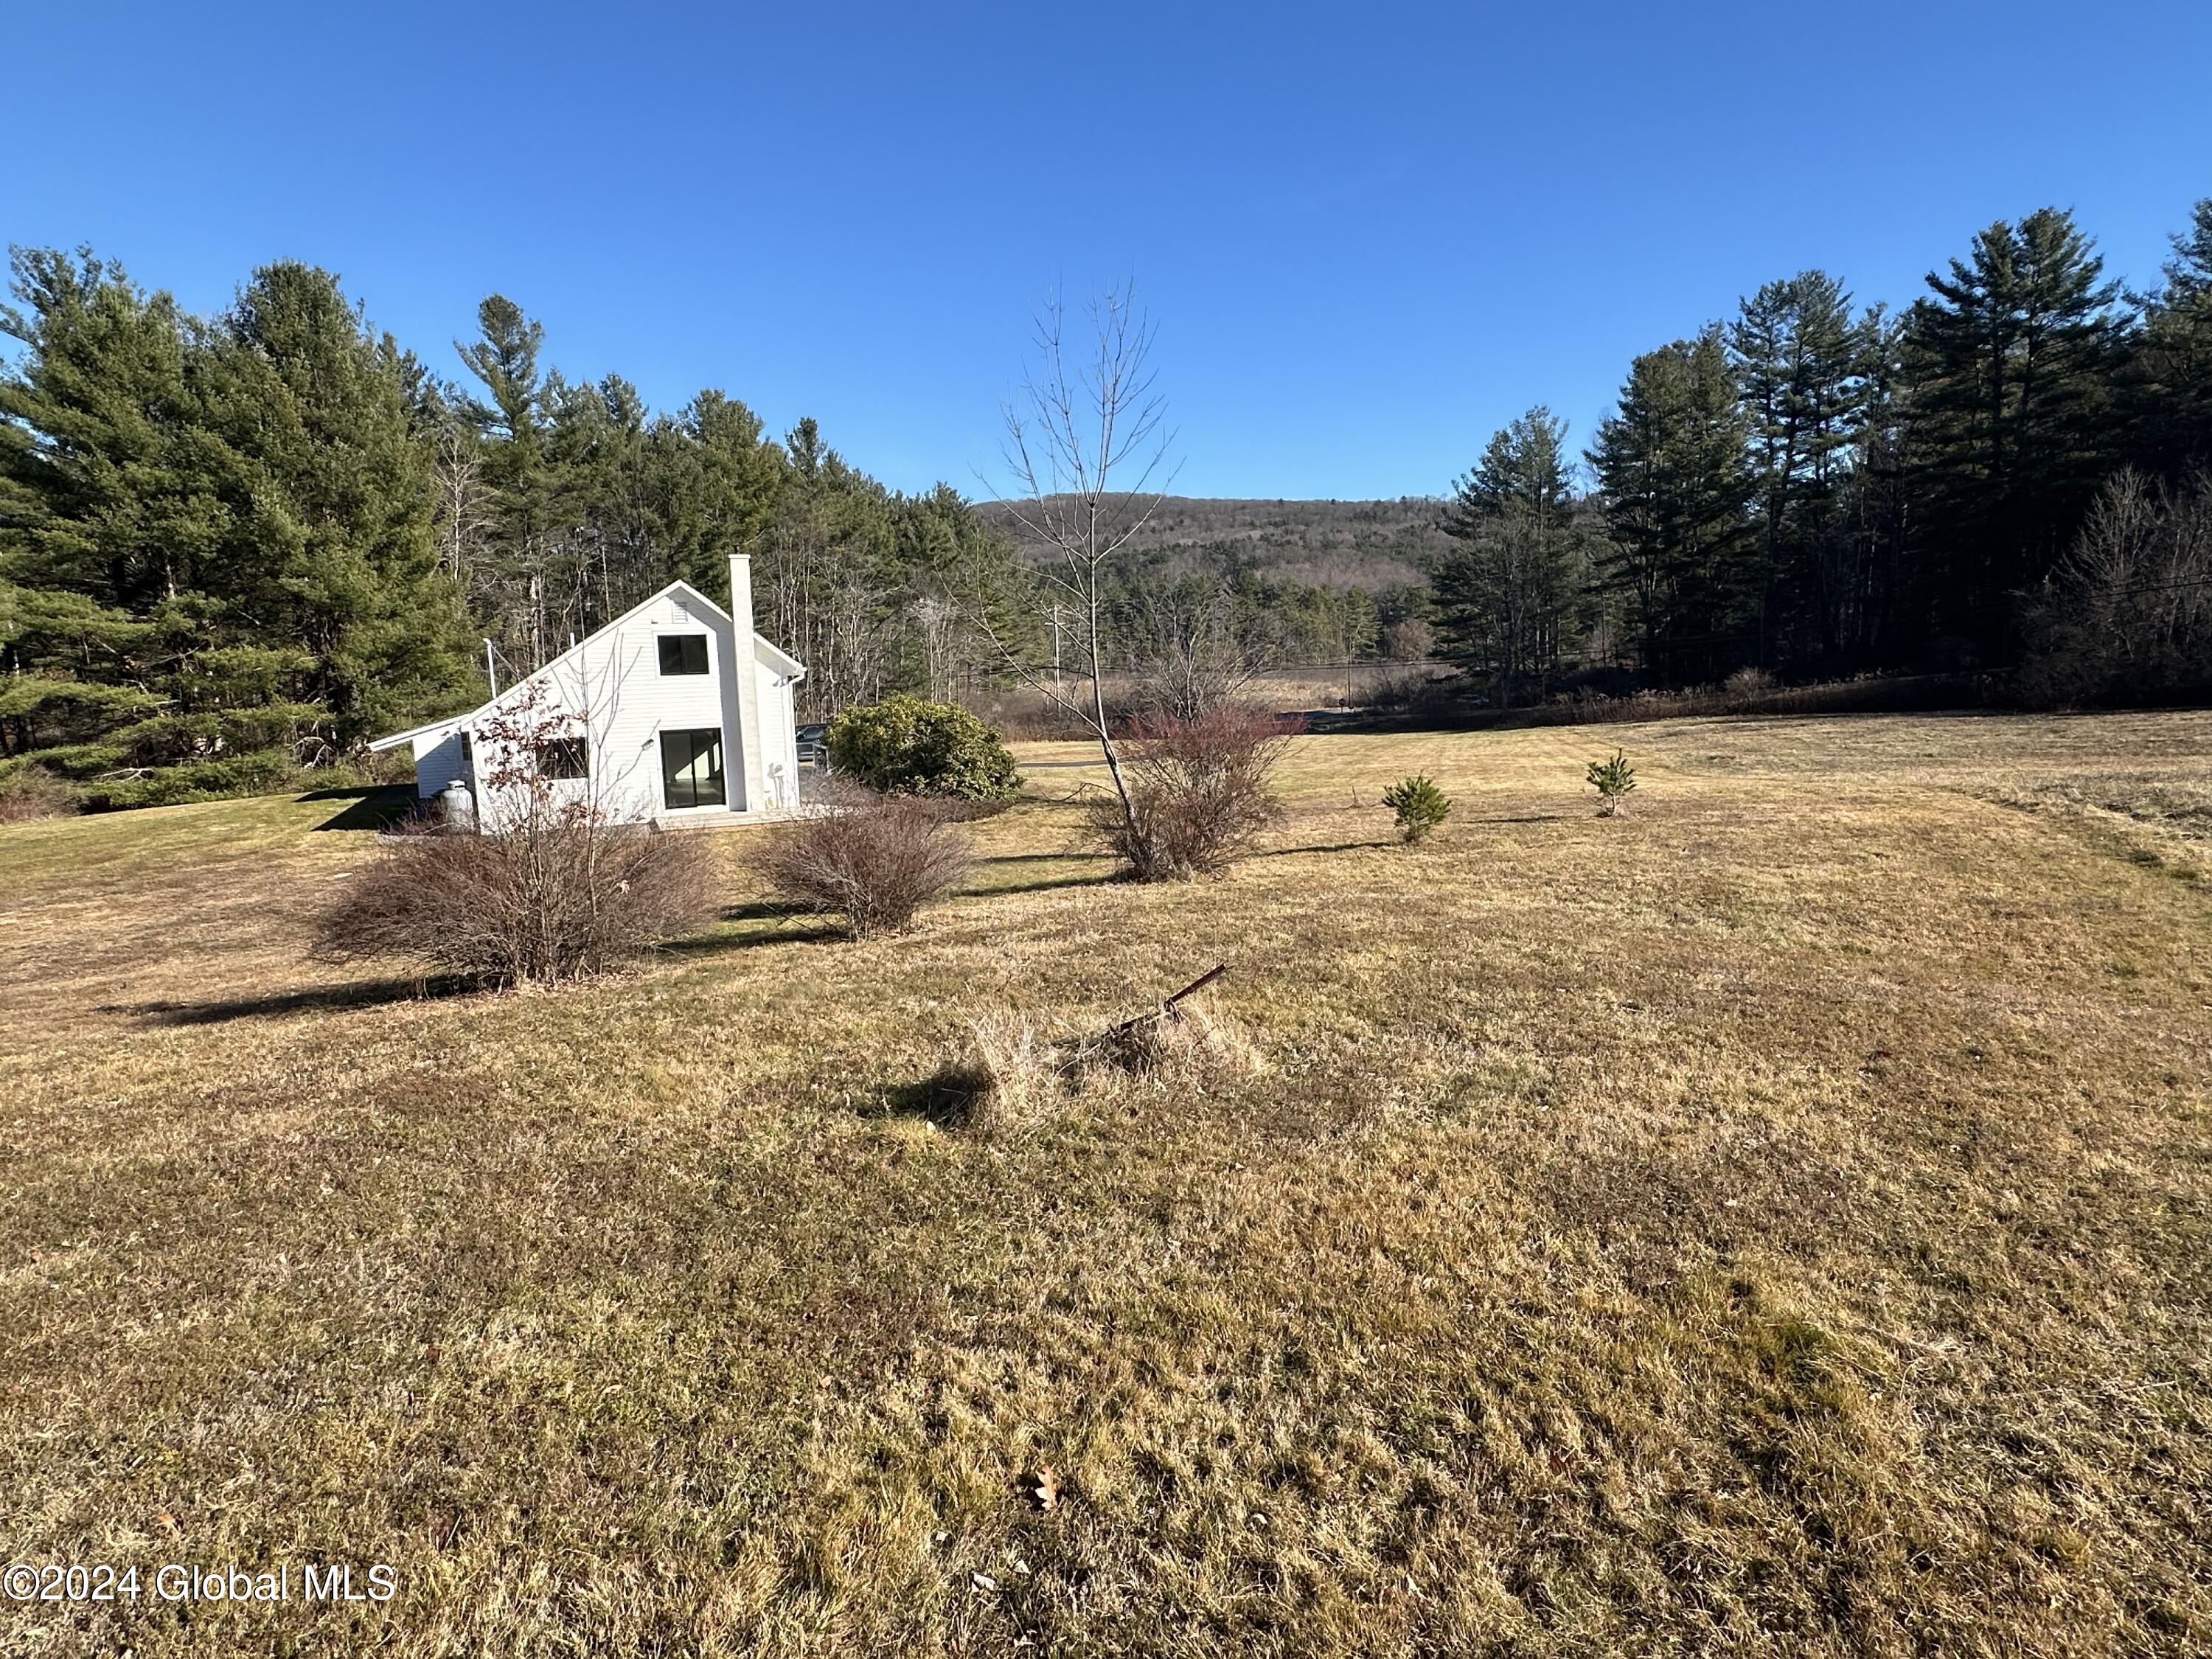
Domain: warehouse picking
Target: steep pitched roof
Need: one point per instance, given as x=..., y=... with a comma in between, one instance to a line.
x=778, y=658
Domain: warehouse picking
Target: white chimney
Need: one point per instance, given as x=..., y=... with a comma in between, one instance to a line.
x=744, y=671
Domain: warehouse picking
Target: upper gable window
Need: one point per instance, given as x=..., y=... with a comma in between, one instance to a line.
x=683, y=654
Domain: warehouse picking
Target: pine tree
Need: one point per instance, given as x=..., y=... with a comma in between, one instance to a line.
x=217, y=535
x=722, y=483
x=1862, y=557
x=968, y=586
x=2007, y=366
x=332, y=550
x=1801, y=360
x=1506, y=593
x=2170, y=390
x=509, y=441
x=833, y=581
x=505, y=359
x=102, y=490
x=1675, y=477
x=109, y=514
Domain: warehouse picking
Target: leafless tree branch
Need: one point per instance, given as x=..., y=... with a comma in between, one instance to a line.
x=1076, y=430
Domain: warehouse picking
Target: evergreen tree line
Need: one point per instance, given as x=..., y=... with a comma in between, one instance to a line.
x=2010, y=478
x=234, y=547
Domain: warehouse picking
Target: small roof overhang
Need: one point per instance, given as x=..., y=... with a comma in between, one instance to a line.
x=778, y=658
x=414, y=731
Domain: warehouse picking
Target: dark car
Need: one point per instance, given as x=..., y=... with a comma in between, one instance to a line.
x=813, y=747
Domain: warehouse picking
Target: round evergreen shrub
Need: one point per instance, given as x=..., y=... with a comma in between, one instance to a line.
x=909, y=746
x=1419, y=805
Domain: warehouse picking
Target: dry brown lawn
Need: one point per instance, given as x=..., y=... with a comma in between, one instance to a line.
x=1777, y=1221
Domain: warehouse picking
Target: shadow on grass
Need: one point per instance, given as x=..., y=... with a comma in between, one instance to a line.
x=760, y=910
x=371, y=809
x=1043, y=858
x=362, y=993
x=804, y=926
x=948, y=1097
x=1332, y=847
x=808, y=929
x=1103, y=879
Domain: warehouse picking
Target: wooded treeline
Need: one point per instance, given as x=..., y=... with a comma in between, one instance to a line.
x=2010, y=478
x=234, y=547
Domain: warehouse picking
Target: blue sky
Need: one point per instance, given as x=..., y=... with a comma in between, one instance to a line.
x=1368, y=235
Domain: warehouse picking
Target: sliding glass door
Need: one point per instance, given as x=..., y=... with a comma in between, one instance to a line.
x=691, y=767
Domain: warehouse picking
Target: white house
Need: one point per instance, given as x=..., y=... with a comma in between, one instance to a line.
x=676, y=711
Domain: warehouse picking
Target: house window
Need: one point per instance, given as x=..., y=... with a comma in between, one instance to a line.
x=683, y=654
x=564, y=758
x=691, y=767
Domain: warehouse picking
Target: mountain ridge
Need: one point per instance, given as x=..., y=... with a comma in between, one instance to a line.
x=1323, y=542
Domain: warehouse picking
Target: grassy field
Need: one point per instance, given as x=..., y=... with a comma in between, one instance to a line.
x=1779, y=1220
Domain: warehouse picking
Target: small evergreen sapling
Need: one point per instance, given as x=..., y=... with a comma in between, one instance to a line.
x=1419, y=805
x=1612, y=779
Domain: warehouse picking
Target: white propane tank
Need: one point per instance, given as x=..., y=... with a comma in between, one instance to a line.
x=457, y=806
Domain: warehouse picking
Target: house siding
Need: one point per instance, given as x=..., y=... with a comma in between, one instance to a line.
x=780, y=739
x=441, y=759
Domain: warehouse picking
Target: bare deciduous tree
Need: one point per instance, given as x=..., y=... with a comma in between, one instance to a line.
x=1086, y=453
x=463, y=507
x=1194, y=658
x=2127, y=615
x=935, y=620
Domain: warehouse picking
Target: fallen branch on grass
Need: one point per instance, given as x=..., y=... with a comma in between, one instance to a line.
x=1134, y=1039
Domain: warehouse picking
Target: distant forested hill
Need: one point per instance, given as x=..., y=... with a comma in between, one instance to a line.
x=1375, y=545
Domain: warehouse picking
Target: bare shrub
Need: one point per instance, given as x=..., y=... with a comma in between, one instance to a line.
x=389, y=769
x=550, y=900
x=1200, y=791
x=1869, y=694
x=875, y=859
x=1410, y=640
x=32, y=793
x=548, y=890
x=1021, y=714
